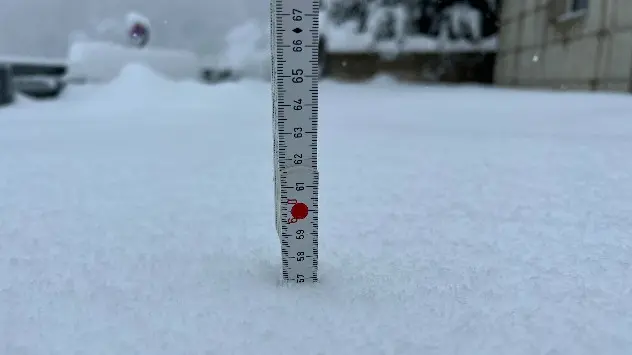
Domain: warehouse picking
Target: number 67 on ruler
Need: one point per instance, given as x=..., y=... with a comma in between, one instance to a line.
x=294, y=27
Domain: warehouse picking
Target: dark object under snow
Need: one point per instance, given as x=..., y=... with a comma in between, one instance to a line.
x=39, y=86
x=7, y=88
x=213, y=76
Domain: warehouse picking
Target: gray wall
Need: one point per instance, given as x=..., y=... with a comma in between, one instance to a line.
x=591, y=52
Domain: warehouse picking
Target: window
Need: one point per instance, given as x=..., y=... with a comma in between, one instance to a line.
x=573, y=10
x=578, y=5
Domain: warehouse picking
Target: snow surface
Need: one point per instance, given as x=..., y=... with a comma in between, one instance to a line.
x=137, y=218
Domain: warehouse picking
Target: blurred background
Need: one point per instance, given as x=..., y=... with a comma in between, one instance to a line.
x=556, y=44
x=452, y=40
x=46, y=27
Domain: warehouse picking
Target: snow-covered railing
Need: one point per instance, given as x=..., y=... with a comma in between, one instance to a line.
x=35, y=77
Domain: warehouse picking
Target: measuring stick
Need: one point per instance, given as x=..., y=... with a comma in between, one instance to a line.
x=294, y=42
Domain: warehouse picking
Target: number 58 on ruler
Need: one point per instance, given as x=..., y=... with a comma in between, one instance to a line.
x=294, y=29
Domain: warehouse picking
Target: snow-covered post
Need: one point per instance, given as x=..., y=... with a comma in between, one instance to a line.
x=7, y=88
x=444, y=61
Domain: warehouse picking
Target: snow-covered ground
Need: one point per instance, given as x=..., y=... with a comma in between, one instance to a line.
x=137, y=218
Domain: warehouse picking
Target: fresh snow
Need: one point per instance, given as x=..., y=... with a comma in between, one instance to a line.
x=137, y=218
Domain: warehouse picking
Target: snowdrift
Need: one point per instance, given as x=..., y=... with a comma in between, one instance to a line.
x=136, y=83
x=103, y=61
x=138, y=86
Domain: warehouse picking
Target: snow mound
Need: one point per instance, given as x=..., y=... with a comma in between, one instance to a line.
x=137, y=82
x=384, y=79
x=103, y=61
x=138, y=85
x=134, y=75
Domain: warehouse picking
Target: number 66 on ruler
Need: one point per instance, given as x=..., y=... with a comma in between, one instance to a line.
x=294, y=27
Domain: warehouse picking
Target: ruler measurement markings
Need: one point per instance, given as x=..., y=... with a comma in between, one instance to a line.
x=295, y=159
x=296, y=176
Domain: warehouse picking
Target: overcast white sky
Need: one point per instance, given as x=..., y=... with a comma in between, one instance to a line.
x=42, y=27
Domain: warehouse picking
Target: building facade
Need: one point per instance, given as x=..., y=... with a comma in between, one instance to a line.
x=566, y=44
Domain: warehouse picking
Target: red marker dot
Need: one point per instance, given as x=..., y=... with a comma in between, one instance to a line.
x=299, y=210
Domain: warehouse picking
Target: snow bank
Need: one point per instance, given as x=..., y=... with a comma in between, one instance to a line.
x=103, y=61
x=136, y=76
x=138, y=85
